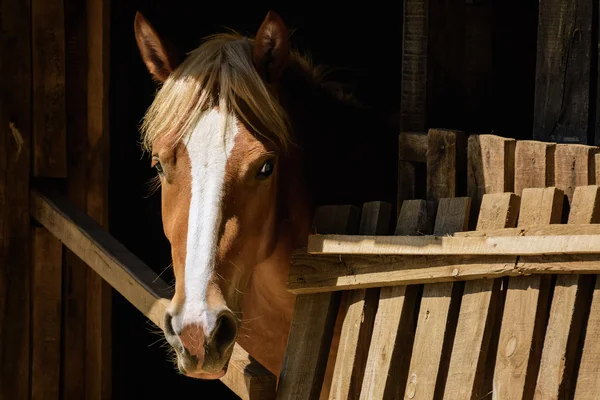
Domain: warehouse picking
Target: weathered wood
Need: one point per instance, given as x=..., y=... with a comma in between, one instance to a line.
x=98, y=293
x=439, y=308
x=132, y=278
x=541, y=206
x=588, y=378
x=393, y=330
x=491, y=161
x=565, y=323
x=578, y=242
x=534, y=165
x=46, y=315
x=525, y=313
x=597, y=166
x=574, y=166
x=313, y=322
x=412, y=146
x=563, y=72
x=359, y=316
x=413, y=92
x=478, y=307
x=315, y=274
x=15, y=246
x=416, y=217
x=74, y=270
x=445, y=163
x=48, y=67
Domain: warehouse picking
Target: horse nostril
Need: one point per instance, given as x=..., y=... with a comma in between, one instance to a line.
x=169, y=324
x=226, y=331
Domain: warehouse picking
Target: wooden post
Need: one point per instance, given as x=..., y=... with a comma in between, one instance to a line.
x=98, y=292
x=15, y=247
x=563, y=71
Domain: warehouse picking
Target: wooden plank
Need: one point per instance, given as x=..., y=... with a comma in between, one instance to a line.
x=525, y=313
x=574, y=166
x=445, y=163
x=98, y=293
x=394, y=326
x=48, y=67
x=74, y=270
x=588, y=378
x=412, y=146
x=491, y=161
x=455, y=245
x=479, y=305
x=597, y=167
x=413, y=92
x=535, y=162
x=434, y=333
x=416, y=217
x=541, y=206
x=571, y=292
x=323, y=273
x=563, y=71
x=15, y=246
x=132, y=278
x=311, y=331
x=359, y=315
x=46, y=315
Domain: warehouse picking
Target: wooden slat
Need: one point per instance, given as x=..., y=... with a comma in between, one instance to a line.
x=574, y=166
x=563, y=70
x=132, y=278
x=313, y=323
x=490, y=166
x=359, y=316
x=597, y=166
x=525, y=310
x=445, y=163
x=98, y=293
x=416, y=217
x=433, y=336
x=407, y=176
x=588, y=378
x=74, y=270
x=535, y=163
x=541, y=206
x=46, y=315
x=577, y=243
x=15, y=247
x=412, y=146
x=48, y=67
x=565, y=324
x=394, y=326
x=479, y=305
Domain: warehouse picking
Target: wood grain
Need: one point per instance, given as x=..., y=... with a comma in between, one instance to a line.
x=535, y=162
x=445, y=164
x=574, y=166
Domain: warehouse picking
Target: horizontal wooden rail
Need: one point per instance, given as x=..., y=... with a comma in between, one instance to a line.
x=135, y=281
x=338, y=262
x=567, y=239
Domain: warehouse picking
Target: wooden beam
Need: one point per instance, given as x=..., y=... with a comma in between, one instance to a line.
x=133, y=279
x=535, y=163
x=446, y=164
x=49, y=115
x=412, y=146
x=574, y=166
x=15, y=231
x=563, y=71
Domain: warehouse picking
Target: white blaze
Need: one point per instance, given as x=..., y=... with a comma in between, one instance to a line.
x=209, y=146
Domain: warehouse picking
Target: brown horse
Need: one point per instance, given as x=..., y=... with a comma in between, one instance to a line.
x=244, y=133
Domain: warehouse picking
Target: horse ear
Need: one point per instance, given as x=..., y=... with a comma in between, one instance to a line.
x=271, y=48
x=159, y=56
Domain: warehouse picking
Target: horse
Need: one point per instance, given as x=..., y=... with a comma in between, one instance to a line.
x=247, y=137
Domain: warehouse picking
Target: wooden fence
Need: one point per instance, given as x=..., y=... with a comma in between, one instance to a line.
x=508, y=310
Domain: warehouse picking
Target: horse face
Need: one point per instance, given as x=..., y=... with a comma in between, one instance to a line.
x=219, y=211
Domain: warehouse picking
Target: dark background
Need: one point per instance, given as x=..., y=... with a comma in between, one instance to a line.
x=364, y=38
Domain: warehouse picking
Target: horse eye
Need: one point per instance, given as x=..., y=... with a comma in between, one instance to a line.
x=158, y=166
x=266, y=170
